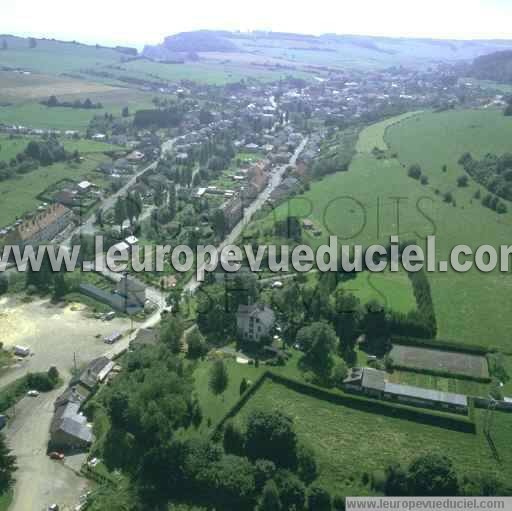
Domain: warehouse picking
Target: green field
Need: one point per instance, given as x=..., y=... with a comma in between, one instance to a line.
x=374, y=135
x=350, y=442
x=376, y=199
x=392, y=290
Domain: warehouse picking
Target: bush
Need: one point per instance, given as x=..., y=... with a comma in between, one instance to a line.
x=414, y=171
x=462, y=181
x=319, y=499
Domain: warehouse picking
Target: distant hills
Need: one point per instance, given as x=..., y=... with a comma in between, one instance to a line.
x=328, y=50
x=496, y=67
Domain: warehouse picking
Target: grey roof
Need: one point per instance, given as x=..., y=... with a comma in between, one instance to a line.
x=264, y=313
x=373, y=379
x=426, y=394
x=77, y=430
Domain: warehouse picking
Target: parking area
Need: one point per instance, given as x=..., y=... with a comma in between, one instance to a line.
x=56, y=335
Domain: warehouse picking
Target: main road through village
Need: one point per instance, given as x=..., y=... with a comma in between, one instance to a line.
x=41, y=481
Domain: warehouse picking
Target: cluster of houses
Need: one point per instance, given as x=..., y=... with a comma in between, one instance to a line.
x=69, y=429
x=41, y=226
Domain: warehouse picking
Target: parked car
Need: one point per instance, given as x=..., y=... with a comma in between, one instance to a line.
x=53, y=507
x=54, y=455
x=32, y=393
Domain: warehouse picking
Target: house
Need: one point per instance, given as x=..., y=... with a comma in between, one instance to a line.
x=255, y=321
x=94, y=373
x=42, y=227
x=373, y=382
x=69, y=428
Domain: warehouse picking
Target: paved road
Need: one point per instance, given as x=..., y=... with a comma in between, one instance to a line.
x=39, y=479
x=275, y=181
x=109, y=202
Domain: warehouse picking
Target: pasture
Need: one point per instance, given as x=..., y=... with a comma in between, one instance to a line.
x=349, y=442
x=376, y=199
x=444, y=361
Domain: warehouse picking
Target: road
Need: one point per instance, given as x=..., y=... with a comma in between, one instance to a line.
x=275, y=181
x=38, y=478
x=109, y=202
x=41, y=481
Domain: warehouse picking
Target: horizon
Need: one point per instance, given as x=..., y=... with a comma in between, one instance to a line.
x=482, y=20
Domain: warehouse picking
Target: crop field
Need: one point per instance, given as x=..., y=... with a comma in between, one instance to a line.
x=349, y=442
x=436, y=360
x=427, y=381
x=16, y=86
x=215, y=74
x=376, y=199
x=19, y=196
x=55, y=57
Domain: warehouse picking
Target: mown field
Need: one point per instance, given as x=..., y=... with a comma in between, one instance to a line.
x=376, y=199
x=349, y=443
x=19, y=108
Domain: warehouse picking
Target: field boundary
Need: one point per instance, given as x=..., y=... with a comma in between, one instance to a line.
x=463, y=424
x=441, y=374
x=442, y=345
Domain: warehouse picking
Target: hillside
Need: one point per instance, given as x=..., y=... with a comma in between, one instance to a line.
x=328, y=50
x=495, y=66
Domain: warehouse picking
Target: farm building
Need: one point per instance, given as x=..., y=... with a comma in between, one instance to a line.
x=373, y=383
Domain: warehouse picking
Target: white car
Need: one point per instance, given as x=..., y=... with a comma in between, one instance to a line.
x=32, y=393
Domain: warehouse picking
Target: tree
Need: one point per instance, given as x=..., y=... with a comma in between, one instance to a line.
x=414, y=171
x=219, y=377
x=319, y=342
x=319, y=499
x=307, y=468
x=120, y=213
x=244, y=385
x=196, y=344
x=339, y=373
x=270, y=435
x=432, y=475
x=270, y=500
x=125, y=112
x=7, y=466
x=462, y=181
x=233, y=440
x=395, y=484
x=292, y=491
x=172, y=332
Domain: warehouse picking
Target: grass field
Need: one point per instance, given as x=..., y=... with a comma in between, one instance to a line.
x=392, y=290
x=435, y=360
x=465, y=387
x=376, y=199
x=350, y=442
x=374, y=135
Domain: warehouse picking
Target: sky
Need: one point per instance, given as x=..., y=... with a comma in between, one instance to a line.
x=149, y=21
